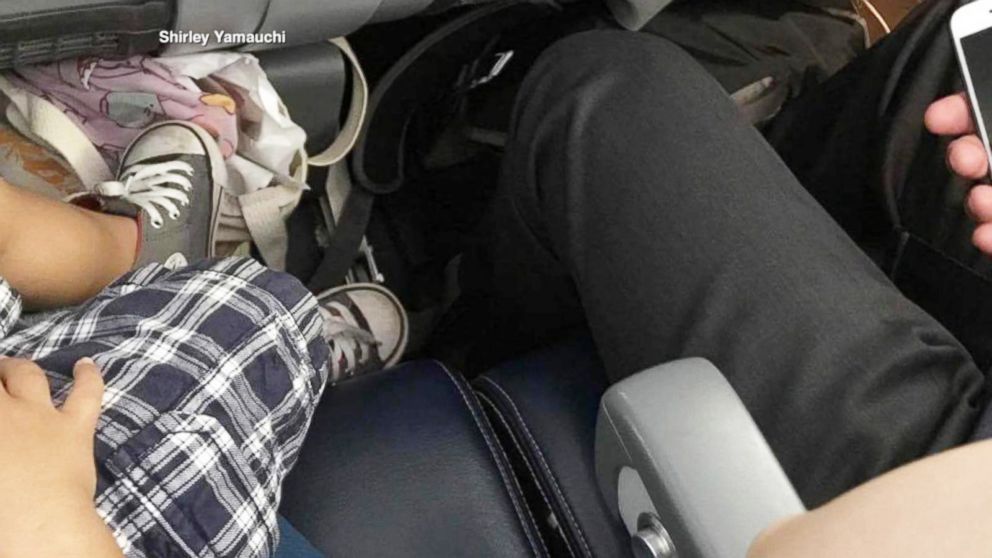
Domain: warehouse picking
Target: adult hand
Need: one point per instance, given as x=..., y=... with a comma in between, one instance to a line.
x=47, y=471
x=966, y=156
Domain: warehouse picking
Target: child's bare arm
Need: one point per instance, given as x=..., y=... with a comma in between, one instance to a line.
x=47, y=472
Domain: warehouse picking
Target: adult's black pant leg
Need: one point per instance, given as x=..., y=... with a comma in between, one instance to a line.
x=634, y=194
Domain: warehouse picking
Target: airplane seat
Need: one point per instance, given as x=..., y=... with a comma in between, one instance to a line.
x=543, y=458
x=404, y=462
x=667, y=462
x=40, y=31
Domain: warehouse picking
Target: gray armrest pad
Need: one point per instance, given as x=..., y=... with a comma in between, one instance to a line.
x=707, y=470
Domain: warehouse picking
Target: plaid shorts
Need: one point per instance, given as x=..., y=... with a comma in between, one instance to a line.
x=213, y=373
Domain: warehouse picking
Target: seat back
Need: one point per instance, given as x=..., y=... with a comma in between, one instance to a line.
x=38, y=31
x=300, y=21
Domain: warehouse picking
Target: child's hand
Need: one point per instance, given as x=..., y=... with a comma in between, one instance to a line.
x=966, y=156
x=47, y=472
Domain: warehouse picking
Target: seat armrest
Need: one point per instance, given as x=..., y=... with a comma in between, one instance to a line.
x=676, y=441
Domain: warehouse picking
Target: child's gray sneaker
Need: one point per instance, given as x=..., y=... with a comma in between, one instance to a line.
x=366, y=327
x=171, y=178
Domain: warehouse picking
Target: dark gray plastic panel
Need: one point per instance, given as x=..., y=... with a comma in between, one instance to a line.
x=303, y=21
x=36, y=31
x=307, y=21
x=633, y=14
x=707, y=470
x=398, y=9
x=207, y=16
x=311, y=80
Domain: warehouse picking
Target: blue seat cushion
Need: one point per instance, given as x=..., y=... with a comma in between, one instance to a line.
x=292, y=544
x=544, y=406
x=404, y=463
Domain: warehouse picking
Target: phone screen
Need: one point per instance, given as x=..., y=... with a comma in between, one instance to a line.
x=977, y=50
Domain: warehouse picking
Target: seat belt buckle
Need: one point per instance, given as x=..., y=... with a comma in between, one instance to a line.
x=482, y=70
x=367, y=260
x=499, y=63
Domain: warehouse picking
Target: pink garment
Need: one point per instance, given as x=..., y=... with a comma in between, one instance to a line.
x=112, y=101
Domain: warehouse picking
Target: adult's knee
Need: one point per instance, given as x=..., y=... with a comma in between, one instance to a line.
x=595, y=92
x=609, y=99
x=611, y=66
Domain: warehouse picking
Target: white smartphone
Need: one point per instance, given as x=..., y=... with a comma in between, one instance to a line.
x=971, y=27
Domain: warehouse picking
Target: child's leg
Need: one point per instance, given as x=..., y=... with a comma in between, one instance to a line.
x=212, y=374
x=56, y=254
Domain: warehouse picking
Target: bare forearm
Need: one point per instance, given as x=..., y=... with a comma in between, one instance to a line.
x=940, y=506
x=47, y=474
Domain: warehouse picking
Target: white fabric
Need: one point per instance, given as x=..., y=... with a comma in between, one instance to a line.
x=267, y=175
x=273, y=155
x=269, y=142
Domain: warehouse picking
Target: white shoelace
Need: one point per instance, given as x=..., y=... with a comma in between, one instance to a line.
x=350, y=345
x=153, y=187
